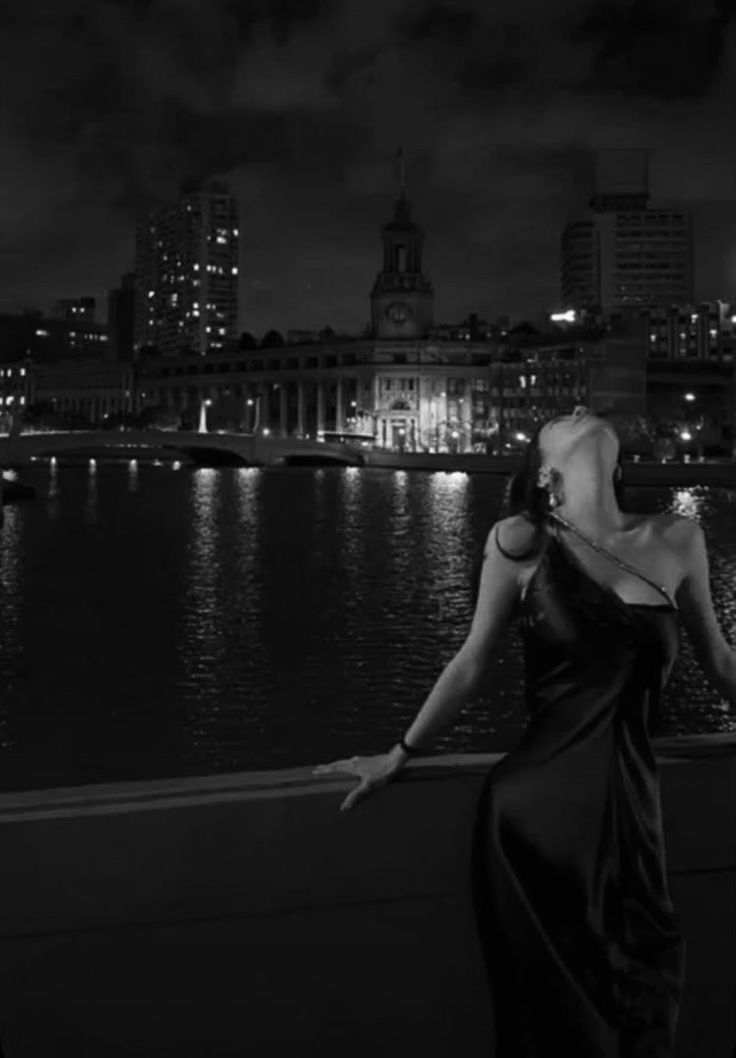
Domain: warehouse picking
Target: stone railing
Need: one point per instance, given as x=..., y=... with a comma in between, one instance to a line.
x=244, y=914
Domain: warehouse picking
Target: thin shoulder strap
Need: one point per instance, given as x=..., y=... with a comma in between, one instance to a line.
x=614, y=558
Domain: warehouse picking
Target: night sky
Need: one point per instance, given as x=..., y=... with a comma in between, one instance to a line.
x=301, y=105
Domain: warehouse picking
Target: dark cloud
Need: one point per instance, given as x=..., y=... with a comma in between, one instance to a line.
x=107, y=106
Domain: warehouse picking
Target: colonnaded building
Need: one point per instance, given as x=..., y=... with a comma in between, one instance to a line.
x=407, y=383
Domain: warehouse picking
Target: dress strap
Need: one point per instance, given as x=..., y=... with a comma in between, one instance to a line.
x=613, y=558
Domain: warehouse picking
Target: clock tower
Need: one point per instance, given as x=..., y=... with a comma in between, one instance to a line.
x=402, y=298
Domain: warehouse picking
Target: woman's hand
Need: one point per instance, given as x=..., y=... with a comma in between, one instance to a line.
x=373, y=772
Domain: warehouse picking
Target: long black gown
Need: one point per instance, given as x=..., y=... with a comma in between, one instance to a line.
x=579, y=935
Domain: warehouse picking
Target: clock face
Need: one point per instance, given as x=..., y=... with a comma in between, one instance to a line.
x=398, y=312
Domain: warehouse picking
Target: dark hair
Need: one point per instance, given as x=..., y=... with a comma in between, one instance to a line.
x=524, y=496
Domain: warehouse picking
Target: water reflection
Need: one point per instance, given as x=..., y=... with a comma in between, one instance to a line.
x=11, y=579
x=133, y=483
x=689, y=502
x=90, y=509
x=202, y=641
x=53, y=500
x=714, y=510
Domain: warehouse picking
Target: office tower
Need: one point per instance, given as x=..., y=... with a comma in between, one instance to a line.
x=121, y=318
x=186, y=269
x=623, y=253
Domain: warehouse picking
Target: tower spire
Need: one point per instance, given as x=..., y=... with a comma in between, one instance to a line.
x=401, y=172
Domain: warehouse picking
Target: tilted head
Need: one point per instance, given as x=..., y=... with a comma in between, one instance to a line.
x=569, y=442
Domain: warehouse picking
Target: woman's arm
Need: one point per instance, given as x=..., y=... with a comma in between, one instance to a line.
x=717, y=658
x=497, y=595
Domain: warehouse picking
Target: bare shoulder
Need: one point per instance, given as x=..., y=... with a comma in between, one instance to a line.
x=515, y=533
x=677, y=530
x=679, y=538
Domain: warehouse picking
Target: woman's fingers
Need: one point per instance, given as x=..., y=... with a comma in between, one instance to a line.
x=346, y=765
x=355, y=795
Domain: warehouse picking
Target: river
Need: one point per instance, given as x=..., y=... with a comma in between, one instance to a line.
x=161, y=621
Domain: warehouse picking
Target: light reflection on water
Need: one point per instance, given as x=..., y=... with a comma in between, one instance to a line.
x=241, y=618
x=11, y=588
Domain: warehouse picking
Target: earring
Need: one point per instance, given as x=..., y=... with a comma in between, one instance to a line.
x=544, y=481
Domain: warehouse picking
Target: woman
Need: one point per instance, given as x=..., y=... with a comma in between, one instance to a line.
x=575, y=921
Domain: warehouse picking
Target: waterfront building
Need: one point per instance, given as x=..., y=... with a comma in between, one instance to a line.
x=94, y=389
x=407, y=383
x=186, y=269
x=47, y=339
x=15, y=387
x=621, y=252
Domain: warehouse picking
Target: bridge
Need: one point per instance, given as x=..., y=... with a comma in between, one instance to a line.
x=204, y=449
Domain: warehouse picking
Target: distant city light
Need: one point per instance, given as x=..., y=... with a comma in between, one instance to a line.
x=521, y=437
x=689, y=396
x=564, y=317
x=41, y=333
x=266, y=431
x=686, y=435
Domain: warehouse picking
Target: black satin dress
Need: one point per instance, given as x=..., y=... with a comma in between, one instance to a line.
x=579, y=935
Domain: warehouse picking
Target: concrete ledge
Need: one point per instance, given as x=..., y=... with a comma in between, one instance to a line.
x=243, y=913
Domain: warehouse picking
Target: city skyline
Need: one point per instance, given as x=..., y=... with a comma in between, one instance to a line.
x=302, y=116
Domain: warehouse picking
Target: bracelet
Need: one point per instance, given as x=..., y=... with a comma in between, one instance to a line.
x=409, y=750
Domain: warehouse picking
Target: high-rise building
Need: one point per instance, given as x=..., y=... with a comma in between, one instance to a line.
x=187, y=273
x=121, y=318
x=623, y=254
